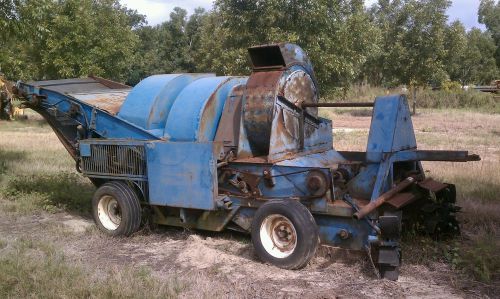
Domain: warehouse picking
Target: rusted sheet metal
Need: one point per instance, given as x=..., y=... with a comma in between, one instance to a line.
x=272, y=120
x=261, y=92
x=111, y=102
x=401, y=199
x=326, y=159
x=339, y=105
x=228, y=130
x=279, y=56
x=383, y=198
x=286, y=133
x=109, y=84
x=298, y=87
x=432, y=185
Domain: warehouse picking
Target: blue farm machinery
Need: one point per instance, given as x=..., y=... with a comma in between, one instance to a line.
x=249, y=154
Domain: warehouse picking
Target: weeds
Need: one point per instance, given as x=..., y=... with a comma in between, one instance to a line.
x=480, y=257
x=63, y=191
x=426, y=98
x=37, y=269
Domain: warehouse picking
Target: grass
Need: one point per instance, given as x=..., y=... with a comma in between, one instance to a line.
x=35, y=269
x=426, y=97
x=36, y=174
x=475, y=252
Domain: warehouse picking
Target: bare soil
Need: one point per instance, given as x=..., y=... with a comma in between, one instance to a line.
x=224, y=264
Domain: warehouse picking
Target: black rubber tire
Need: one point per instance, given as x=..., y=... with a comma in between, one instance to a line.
x=305, y=227
x=128, y=202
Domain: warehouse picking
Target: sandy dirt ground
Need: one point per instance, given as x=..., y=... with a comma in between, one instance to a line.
x=224, y=265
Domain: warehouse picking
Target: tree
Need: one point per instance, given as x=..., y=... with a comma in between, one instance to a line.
x=337, y=35
x=413, y=41
x=489, y=15
x=8, y=18
x=479, y=63
x=455, y=45
x=70, y=38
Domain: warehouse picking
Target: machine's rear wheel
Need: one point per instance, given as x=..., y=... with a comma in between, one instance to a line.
x=284, y=234
x=116, y=209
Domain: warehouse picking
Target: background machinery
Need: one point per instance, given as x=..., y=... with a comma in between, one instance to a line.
x=9, y=108
x=249, y=154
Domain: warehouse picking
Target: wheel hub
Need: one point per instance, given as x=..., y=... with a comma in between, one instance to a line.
x=278, y=236
x=109, y=212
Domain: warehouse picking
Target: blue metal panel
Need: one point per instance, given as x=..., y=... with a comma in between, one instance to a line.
x=183, y=174
x=361, y=186
x=91, y=118
x=197, y=110
x=330, y=228
x=85, y=150
x=391, y=128
x=148, y=104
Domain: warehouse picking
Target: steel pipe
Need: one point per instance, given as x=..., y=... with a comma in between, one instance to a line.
x=338, y=105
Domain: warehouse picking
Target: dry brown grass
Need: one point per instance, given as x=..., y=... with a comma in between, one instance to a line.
x=478, y=183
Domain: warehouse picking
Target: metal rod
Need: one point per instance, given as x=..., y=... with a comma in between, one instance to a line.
x=338, y=105
x=382, y=198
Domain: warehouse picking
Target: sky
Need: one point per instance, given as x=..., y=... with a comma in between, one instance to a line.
x=158, y=11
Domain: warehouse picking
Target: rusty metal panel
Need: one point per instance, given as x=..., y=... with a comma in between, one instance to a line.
x=401, y=199
x=432, y=185
x=285, y=140
x=110, y=101
x=327, y=159
x=229, y=125
x=258, y=109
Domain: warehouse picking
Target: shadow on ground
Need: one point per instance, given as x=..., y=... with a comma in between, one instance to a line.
x=63, y=190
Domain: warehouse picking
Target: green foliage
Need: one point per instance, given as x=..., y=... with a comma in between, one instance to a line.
x=412, y=45
x=457, y=98
x=480, y=258
x=451, y=86
x=392, y=43
x=337, y=35
x=70, y=38
x=479, y=57
x=489, y=15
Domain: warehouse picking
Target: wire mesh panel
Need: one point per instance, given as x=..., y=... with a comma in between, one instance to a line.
x=110, y=160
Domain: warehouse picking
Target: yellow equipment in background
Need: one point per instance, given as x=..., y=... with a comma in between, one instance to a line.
x=8, y=109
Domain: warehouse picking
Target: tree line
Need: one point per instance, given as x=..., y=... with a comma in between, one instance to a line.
x=391, y=43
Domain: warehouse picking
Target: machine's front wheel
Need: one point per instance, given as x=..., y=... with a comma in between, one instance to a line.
x=284, y=234
x=116, y=209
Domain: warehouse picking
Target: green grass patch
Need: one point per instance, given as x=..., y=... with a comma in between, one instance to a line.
x=48, y=192
x=479, y=258
x=34, y=269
